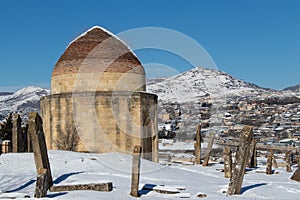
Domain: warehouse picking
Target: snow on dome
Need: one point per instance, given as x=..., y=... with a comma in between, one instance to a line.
x=98, y=51
x=106, y=31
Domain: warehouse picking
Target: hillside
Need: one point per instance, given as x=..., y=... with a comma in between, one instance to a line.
x=198, y=82
x=295, y=88
x=24, y=100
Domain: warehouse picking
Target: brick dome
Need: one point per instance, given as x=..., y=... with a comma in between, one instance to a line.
x=97, y=61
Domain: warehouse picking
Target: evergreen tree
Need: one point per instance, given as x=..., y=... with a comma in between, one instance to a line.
x=6, y=128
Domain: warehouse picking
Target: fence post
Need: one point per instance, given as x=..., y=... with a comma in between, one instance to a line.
x=135, y=177
x=241, y=159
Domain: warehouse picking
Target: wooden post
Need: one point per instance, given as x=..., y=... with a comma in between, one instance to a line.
x=41, y=184
x=269, y=164
x=135, y=177
x=241, y=159
x=288, y=161
x=252, y=161
x=209, y=148
x=35, y=129
x=197, y=145
x=227, y=162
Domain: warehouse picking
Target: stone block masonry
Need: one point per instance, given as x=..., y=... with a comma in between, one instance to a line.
x=98, y=94
x=105, y=121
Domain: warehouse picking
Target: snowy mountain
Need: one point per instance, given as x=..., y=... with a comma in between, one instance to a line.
x=295, y=88
x=5, y=93
x=198, y=82
x=24, y=100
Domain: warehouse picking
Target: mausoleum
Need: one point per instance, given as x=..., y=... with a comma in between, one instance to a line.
x=98, y=95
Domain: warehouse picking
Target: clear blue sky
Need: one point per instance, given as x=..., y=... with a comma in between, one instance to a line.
x=257, y=41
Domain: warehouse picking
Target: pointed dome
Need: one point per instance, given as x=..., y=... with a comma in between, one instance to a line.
x=97, y=54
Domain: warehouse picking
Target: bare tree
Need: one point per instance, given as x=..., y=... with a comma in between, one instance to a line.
x=68, y=140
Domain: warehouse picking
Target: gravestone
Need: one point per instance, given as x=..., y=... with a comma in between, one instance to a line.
x=136, y=164
x=197, y=145
x=241, y=159
x=18, y=143
x=288, y=161
x=269, y=164
x=227, y=162
x=209, y=148
x=35, y=129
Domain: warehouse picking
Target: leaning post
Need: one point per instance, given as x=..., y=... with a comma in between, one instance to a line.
x=241, y=159
x=209, y=148
x=35, y=129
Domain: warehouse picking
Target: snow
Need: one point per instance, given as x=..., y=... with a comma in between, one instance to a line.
x=17, y=178
x=26, y=99
x=166, y=145
x=105, y=30
x=197, y=82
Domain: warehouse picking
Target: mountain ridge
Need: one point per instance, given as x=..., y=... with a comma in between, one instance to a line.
x=24, y=100
x=199, y=82
x=295, y=88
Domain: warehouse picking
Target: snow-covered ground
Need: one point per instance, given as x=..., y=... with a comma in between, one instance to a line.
x=17, y=178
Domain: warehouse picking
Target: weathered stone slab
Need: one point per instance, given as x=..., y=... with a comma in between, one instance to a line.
x=227, y=162
x=101, y=187
x=135, y=177
x=252, y=161
x=241, y=159
x=288, y=161
x=35, y=129
x=197, y=145
x=18, y=143
x=42, y=182
x=209, y=148
x=269, y=165
x=296, y=175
